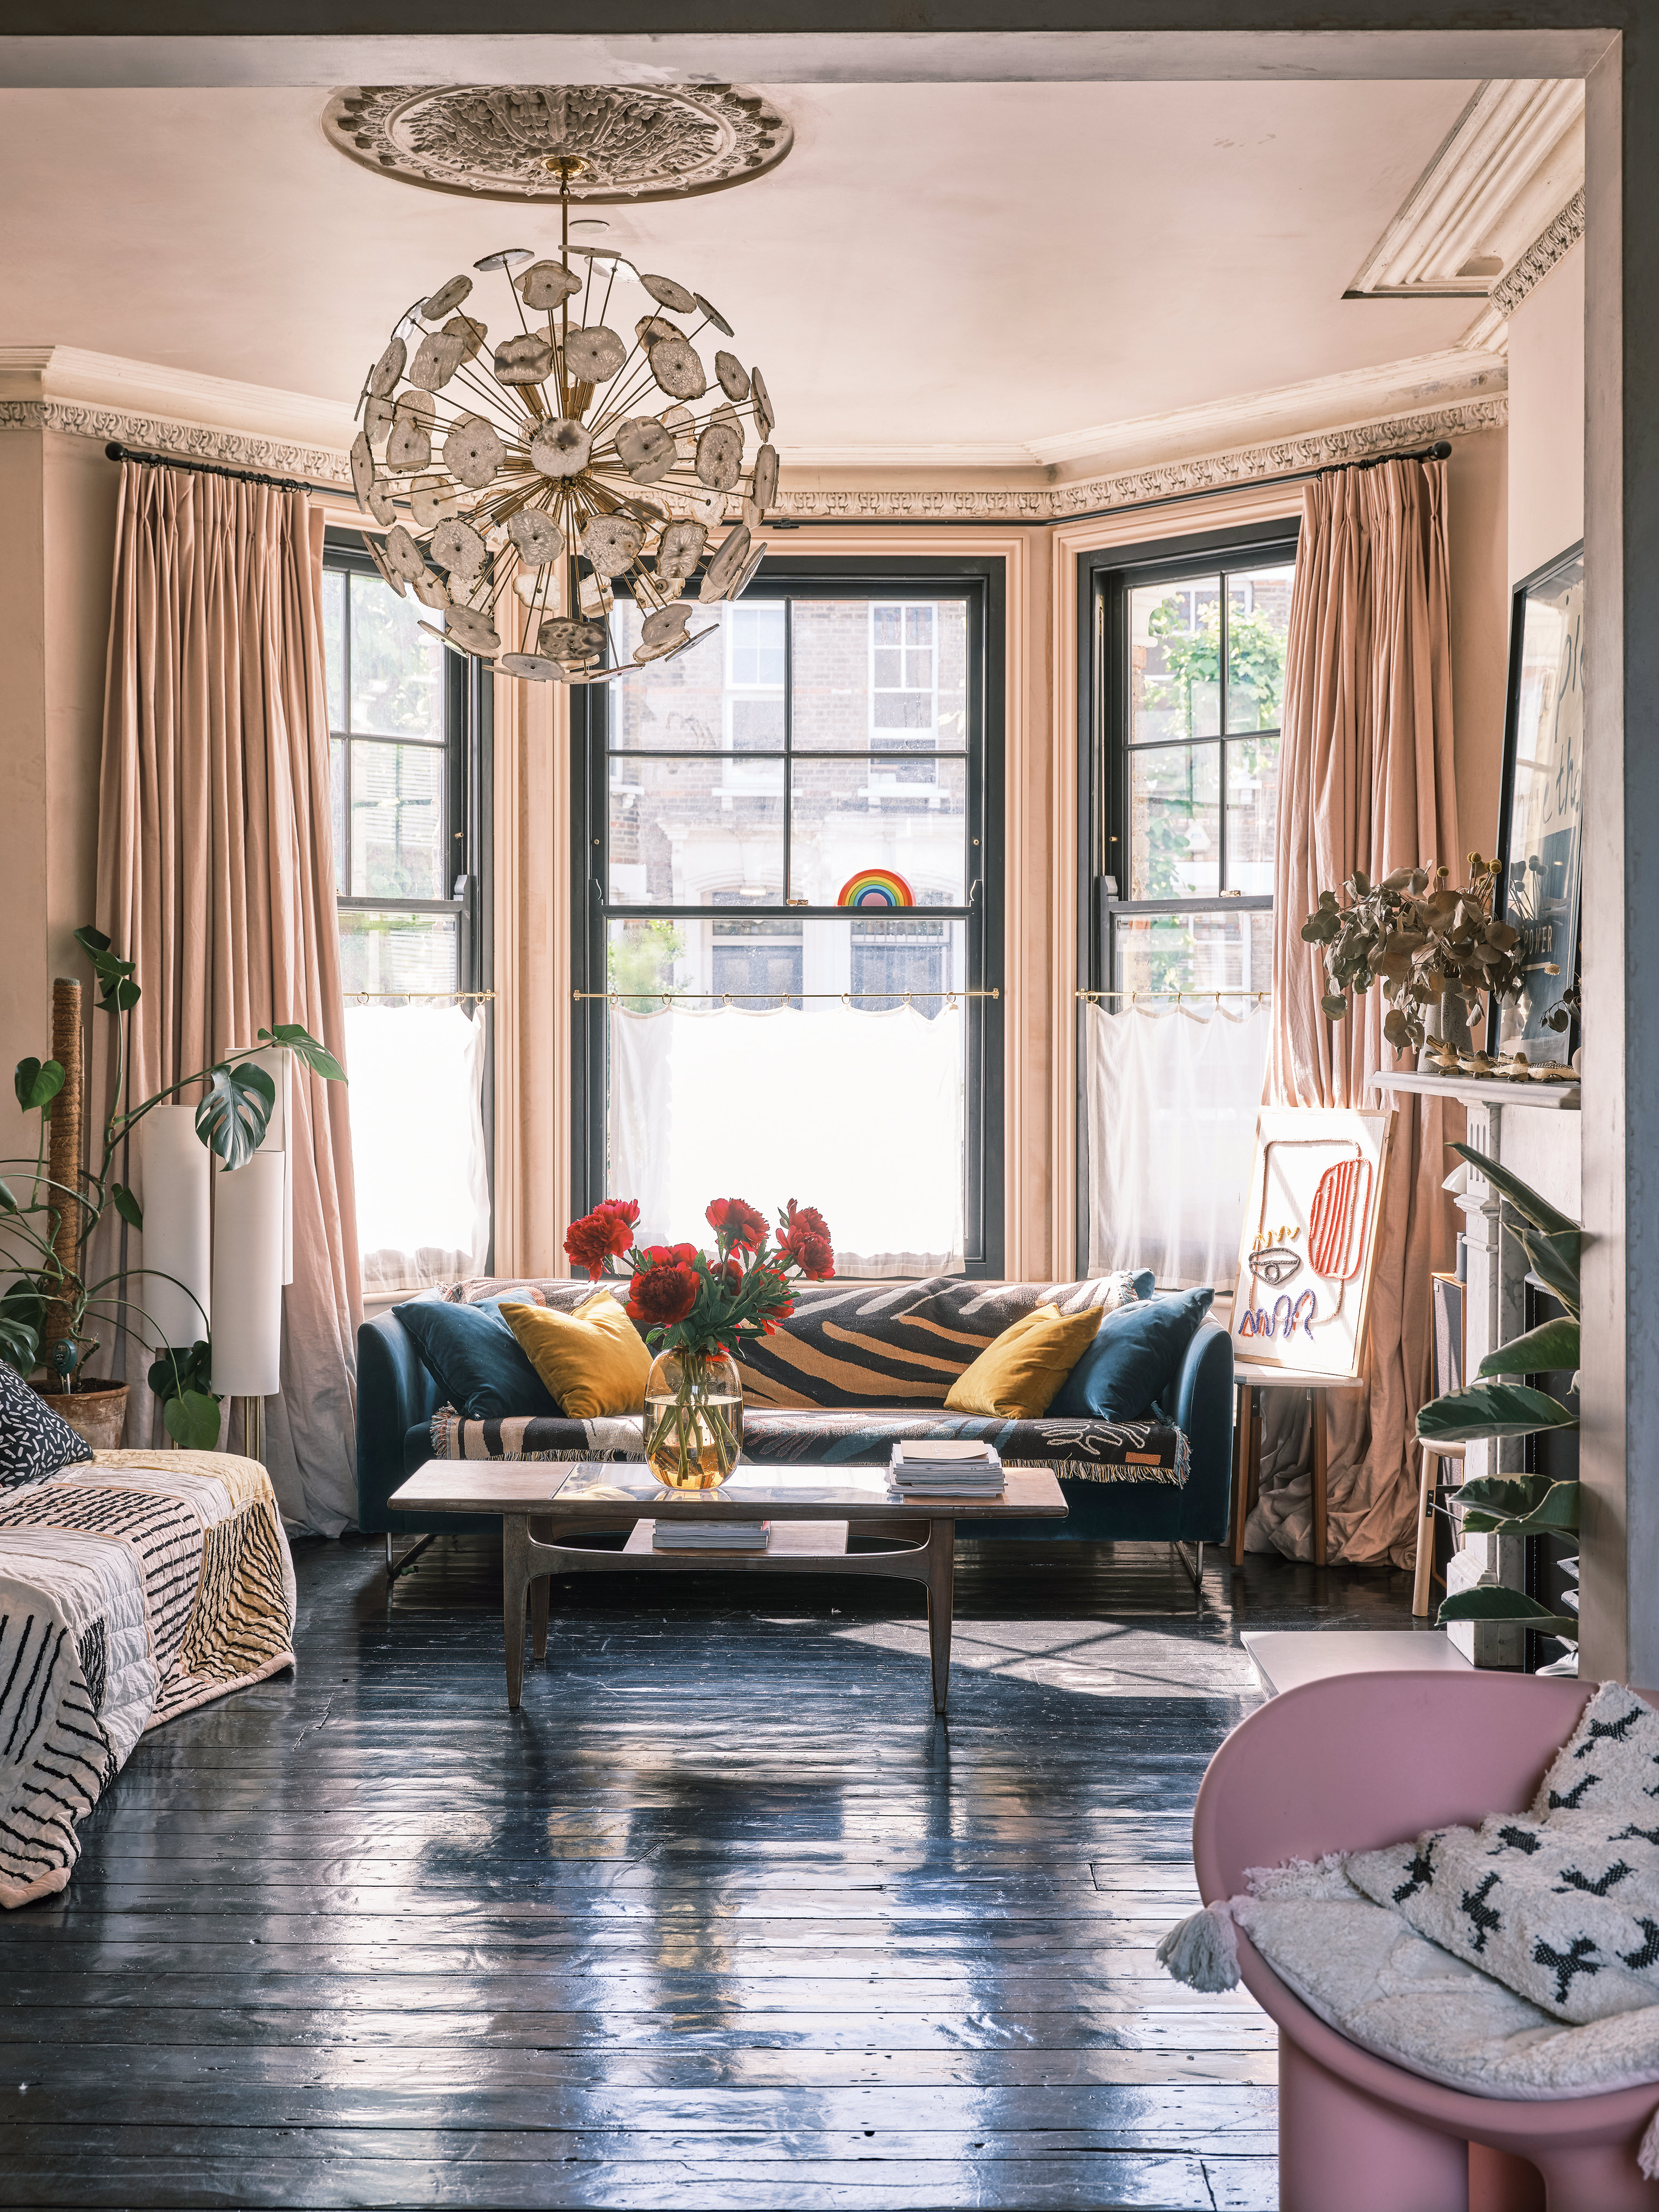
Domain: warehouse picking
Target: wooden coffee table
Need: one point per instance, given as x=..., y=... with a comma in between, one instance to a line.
x=543, y=1505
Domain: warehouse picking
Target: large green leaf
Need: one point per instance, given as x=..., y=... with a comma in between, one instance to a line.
x=1490, y=1409
x=1509, y=1496
x=20, y=1345
x=117, y=990
x=1494, y=1601
x=192, y=1421
x=1549, y=1507
x=304, y=1047
x=1521, y=1196
x=233, y=1117
x=1551, y=1350
x=177, y=1371
x=37, y=1083
x=127, y=1206
x=1554, y=1260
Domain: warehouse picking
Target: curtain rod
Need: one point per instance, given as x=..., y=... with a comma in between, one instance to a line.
x=117, y=451
x=785, y=998
x=1440, y=451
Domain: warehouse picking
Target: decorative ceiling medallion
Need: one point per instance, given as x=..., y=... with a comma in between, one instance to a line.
x=494, y=142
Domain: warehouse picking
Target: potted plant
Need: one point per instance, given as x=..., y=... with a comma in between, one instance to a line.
x=694, y=1313
x=1497, y=1405
x=50, y=1311
x=1434, y=949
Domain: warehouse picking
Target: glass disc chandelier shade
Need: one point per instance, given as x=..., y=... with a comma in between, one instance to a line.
x=602, y=442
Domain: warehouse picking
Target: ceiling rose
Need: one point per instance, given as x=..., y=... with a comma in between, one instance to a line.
x=496, y=141
x=590, y=451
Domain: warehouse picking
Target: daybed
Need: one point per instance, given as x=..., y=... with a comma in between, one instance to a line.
x=857, y=1364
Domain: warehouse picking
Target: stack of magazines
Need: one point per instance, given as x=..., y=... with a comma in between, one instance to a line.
x=710, y=1536
x=927, y=1467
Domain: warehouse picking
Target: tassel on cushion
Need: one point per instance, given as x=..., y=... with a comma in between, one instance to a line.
x=1203, y=1951
x=1647, y=2156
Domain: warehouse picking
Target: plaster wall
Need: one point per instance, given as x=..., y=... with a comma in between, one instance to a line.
x=1546, y=418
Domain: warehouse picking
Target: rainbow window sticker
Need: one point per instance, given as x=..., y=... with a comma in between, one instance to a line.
x=876, y=887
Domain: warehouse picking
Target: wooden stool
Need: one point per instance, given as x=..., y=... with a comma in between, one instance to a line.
x=1423, y=1585
x=1251, y=1382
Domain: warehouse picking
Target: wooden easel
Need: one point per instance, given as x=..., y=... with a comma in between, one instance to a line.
x=1251, y=1382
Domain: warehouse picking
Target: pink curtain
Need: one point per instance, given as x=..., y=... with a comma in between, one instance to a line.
x=1365, y=780
x=216, y=874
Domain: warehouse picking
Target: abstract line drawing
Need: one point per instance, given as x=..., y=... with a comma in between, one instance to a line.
x=1337, y=1220
x=1307, y=1319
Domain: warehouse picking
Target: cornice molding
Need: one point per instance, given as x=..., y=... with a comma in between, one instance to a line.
x=193, y=442
x=1045, y=503
x=895, y=499
x=1553, y=244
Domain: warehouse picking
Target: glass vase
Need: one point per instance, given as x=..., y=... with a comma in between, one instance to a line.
x=693, y=1418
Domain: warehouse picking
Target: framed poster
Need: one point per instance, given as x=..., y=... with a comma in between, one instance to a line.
x=1308, y=1249
x=1539, y=816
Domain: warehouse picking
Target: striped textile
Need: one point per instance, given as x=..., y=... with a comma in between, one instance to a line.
x=1087, y=1451
x=130, y=1590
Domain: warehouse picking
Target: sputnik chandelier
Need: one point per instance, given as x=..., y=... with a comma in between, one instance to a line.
x=525, y=482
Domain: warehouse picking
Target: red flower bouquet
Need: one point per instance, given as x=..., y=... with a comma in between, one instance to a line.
x=694, y=1311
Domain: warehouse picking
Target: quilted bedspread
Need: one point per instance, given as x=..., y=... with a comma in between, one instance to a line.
x=131, y=1588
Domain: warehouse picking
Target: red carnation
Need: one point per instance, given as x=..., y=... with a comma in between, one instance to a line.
x=663, y=1293
x=739, y=1226
x=607, y=1231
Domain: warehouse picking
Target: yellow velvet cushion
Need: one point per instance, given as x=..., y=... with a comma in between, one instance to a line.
x=1020, y=1371
x=592, y=1360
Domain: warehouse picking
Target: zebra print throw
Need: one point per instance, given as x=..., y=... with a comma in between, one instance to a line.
x=131, y=1590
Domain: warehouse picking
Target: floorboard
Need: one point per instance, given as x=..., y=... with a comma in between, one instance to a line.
x=722, y=1917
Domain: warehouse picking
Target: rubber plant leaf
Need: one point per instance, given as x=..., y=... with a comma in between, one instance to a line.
x=304, y=1047
x=233, y=1118
x=37, y=1083
x=1521, y=1196
x=127, y=1206
x=1509, y=1496
x=1551, y=1350
x=1490, y=1409
x=1492, y=1601
x=192, y=1420
x=20, y=1345
x=1554, y=1260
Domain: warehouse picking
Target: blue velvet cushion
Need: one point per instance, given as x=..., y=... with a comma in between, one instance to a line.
x=1134, y=1360
x=475, y=1359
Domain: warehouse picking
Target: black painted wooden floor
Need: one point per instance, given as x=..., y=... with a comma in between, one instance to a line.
x=721, y=1918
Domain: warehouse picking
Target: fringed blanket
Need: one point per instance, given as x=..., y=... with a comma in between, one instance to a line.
x=130, y=1590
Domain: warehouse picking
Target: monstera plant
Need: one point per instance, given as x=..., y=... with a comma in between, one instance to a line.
x=47, y=1220
x=1500, y=1403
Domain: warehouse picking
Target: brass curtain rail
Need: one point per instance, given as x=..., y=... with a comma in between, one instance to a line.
x=780, y=997
x=362, y=998
x=1132, y=996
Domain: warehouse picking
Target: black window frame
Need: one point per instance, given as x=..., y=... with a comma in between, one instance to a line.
x=468, y=748
x=983, y=581
x=1105, y=579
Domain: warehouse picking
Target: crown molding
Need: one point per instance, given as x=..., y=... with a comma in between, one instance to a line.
x=1057, y=502
x=204, y=418
x=1516, y=150
x=1553, y=244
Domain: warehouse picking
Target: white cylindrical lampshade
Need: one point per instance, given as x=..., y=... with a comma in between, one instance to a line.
x=278, y=1065
x=178, y=1236
x=247, y=1279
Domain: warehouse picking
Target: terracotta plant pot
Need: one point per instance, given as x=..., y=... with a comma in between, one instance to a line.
x=96, y=1411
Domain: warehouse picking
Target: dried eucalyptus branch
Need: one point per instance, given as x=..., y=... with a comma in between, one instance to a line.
x=1422, y=943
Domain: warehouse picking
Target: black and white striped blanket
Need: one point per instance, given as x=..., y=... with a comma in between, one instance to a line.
x=131, y=1588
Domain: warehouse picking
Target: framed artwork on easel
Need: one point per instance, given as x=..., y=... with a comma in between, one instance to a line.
x=1308, y=1249
x=1539, y=816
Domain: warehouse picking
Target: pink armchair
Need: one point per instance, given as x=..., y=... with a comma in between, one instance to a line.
x=1349, y=1764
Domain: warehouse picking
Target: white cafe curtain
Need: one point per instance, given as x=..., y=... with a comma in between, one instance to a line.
x=417, y=1143
x=1173, y=1090
x=858, y=1113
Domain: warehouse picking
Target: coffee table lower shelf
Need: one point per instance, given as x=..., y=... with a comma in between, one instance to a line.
x=543, y=1507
